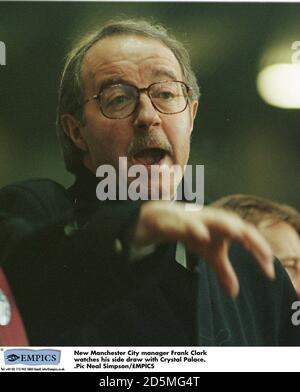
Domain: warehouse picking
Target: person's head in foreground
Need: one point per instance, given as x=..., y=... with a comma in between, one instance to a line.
x=127, y=90
x=278, y=223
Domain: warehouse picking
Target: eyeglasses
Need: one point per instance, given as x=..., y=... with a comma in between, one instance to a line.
x=118, y=101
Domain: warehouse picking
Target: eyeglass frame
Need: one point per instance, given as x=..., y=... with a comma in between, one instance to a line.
x=140, y=90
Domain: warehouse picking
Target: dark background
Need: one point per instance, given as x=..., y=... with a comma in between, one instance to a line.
x=246, y=145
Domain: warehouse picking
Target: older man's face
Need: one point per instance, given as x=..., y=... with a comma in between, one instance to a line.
x=139, y=61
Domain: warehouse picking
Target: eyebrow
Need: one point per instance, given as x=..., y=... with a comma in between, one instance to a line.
x=113, y=80
x=164, y=72
x=119, y=80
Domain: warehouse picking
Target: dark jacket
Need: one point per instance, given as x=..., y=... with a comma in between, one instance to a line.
x=74, y=286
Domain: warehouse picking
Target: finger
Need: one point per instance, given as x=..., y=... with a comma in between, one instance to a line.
x=225, y=223
x=196, y=231
x=173, y=222
x=216, y=257
x=197, y=237
x=226, y=275
x=254, y=242
x=235, y=229
x=158, y=221
x=258, y=246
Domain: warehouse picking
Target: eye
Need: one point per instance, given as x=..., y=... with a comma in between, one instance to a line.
x=166, y=95
x=166, y=91
x=118, y=100
x=117, y=97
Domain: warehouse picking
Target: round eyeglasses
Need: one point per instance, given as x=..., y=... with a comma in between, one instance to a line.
x=118, y=101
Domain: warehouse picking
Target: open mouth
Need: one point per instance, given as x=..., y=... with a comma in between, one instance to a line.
x=149, y=156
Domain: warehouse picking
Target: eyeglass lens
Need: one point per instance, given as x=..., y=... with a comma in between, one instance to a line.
x=120, y=100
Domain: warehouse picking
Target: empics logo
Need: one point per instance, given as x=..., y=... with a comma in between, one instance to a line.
x=31, y=357
x=12, y=357
x=2, y=53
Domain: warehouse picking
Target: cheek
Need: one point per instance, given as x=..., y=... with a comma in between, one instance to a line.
x=106, y=140
x=179, y=135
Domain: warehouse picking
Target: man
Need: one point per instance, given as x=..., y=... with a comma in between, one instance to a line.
x=278, y=223
x=86, y=272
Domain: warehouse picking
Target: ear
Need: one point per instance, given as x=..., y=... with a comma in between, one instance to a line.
x=193, y=112
x=73, y=128
x=194, y=109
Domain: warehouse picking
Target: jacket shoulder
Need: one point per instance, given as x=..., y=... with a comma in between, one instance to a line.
x=37, y=195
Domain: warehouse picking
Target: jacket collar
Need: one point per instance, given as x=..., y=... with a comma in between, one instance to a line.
x=84, y=188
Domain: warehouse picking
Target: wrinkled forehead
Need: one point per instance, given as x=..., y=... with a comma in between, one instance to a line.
x=129, y=56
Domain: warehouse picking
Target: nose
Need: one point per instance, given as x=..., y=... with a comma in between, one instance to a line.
x=146, y=115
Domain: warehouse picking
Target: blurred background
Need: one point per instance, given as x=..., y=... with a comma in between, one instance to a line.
x=248, y=129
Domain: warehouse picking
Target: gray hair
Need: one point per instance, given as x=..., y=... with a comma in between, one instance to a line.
x=71, y=91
